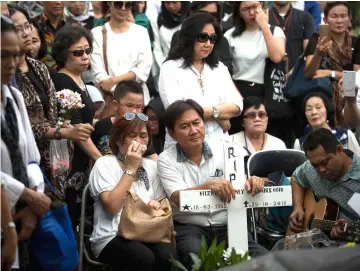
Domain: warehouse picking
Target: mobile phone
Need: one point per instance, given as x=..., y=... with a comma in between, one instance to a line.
x=324, y=30
x=349, y=83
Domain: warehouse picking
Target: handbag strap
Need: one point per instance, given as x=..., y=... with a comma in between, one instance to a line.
x=45, y=178
x=104, y=33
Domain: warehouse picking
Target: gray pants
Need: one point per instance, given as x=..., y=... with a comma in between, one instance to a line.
x=188, y=239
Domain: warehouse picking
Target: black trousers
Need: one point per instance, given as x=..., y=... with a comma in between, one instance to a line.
x=135, y=256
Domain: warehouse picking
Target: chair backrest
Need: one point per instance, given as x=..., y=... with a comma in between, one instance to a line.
x=263, y=163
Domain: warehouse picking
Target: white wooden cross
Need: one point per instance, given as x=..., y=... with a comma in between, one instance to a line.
x=205, y=200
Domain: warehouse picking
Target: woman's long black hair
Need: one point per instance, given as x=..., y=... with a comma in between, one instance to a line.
x=190, y=29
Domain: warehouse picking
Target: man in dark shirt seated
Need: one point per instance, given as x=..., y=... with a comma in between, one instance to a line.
x=331, y=173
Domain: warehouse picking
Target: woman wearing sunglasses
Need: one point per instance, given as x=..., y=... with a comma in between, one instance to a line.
x=111, y=178
x=251, y=42
x=127, y=50
x=38, y=89
x=253, y=137
x=72, y=56
x=192, y=71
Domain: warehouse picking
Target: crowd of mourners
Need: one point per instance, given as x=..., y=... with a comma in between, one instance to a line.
x=163, y=86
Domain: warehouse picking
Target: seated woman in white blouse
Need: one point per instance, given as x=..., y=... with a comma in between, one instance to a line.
x=254, y=121
x=251, y=42
x=192, y=71
x=318, y=111
x=110, y=180
x=128, y=51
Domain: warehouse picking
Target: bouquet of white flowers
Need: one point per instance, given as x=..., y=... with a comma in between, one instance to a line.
x=69, y=101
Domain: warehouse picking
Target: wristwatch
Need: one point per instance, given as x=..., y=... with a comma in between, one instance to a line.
x=128, y=172
x=333, y=74
x=10, y=225
x=57, y=133
x=216, y=112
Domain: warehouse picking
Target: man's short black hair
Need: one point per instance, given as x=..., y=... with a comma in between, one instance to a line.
x=321, y=137
x=330, y=5
x=125, y=87
x=179, y=107
x=64, y=38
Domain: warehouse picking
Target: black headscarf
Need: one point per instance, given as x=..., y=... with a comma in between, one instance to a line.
x=169, y=20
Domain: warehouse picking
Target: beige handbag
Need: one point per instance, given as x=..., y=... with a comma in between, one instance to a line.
x=139, y=222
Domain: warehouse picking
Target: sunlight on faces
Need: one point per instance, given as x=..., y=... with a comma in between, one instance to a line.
x=255, y=120
x=36, y=43
x=153, y=121
x=338, y=19
x=77, y=8
x=21, y=25
x=189, y=130
x=173, y=7
x=131, y=102
x=10, y=51
x=139, y=135
x=328, y=165
x=248, y=11
x=203, y=50
x=315, y=112
x=81, y=63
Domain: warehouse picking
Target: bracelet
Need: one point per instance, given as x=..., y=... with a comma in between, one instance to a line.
x=128, y=172
x=10, y=225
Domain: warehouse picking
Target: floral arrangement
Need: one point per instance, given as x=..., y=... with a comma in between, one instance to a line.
x=213, y=258
x=69, y=102
x=60, y=167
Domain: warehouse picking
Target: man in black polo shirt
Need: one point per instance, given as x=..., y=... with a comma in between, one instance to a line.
x=297, y=25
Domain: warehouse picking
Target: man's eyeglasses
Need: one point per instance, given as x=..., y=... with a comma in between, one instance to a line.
x=120, y=4
x=22, y=28
x=252, y=115
x=204, y=37
x=247, y=9
x=131, y=116
x=79, y=53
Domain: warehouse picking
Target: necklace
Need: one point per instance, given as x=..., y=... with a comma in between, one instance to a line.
x=199, y=74
x=246, y=145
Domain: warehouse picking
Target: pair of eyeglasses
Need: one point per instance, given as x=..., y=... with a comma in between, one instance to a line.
x=204, y=37
x=131, y=106
x=22, y=28
x=80, y=53
x=120, y=4
x=252, y=115
x=247, y=9
x=153, y=119
x=131, y=116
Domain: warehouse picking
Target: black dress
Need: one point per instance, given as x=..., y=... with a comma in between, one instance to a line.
x=80, y=161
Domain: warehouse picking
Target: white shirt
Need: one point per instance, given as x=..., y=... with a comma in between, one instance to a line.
x=271, y=143
x=176, y=173
x=126, y=52
x=104, y=176
x=249, y=53
x=177, y=83
x=28, y=149
x=352, y=143
x=162, y=41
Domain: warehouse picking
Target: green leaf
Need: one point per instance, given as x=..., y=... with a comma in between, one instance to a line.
x=213, y=247
x=196, y=260
x=203, y=248
x=220, y=251
x=176, y=265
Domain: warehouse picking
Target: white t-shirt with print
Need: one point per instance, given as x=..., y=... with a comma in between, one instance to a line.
x=249, y=53
x=105, y=175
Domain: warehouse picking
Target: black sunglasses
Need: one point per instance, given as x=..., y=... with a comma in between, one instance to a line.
x=120, y=4
x=79, y=53
x=131, y=116
x=204, y=37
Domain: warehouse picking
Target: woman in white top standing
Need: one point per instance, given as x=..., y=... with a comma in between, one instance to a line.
x=128, y=51
x=251, y=42
x=169, y=20
x=192, y=71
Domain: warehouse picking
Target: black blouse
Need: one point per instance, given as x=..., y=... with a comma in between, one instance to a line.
x=80, y=161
